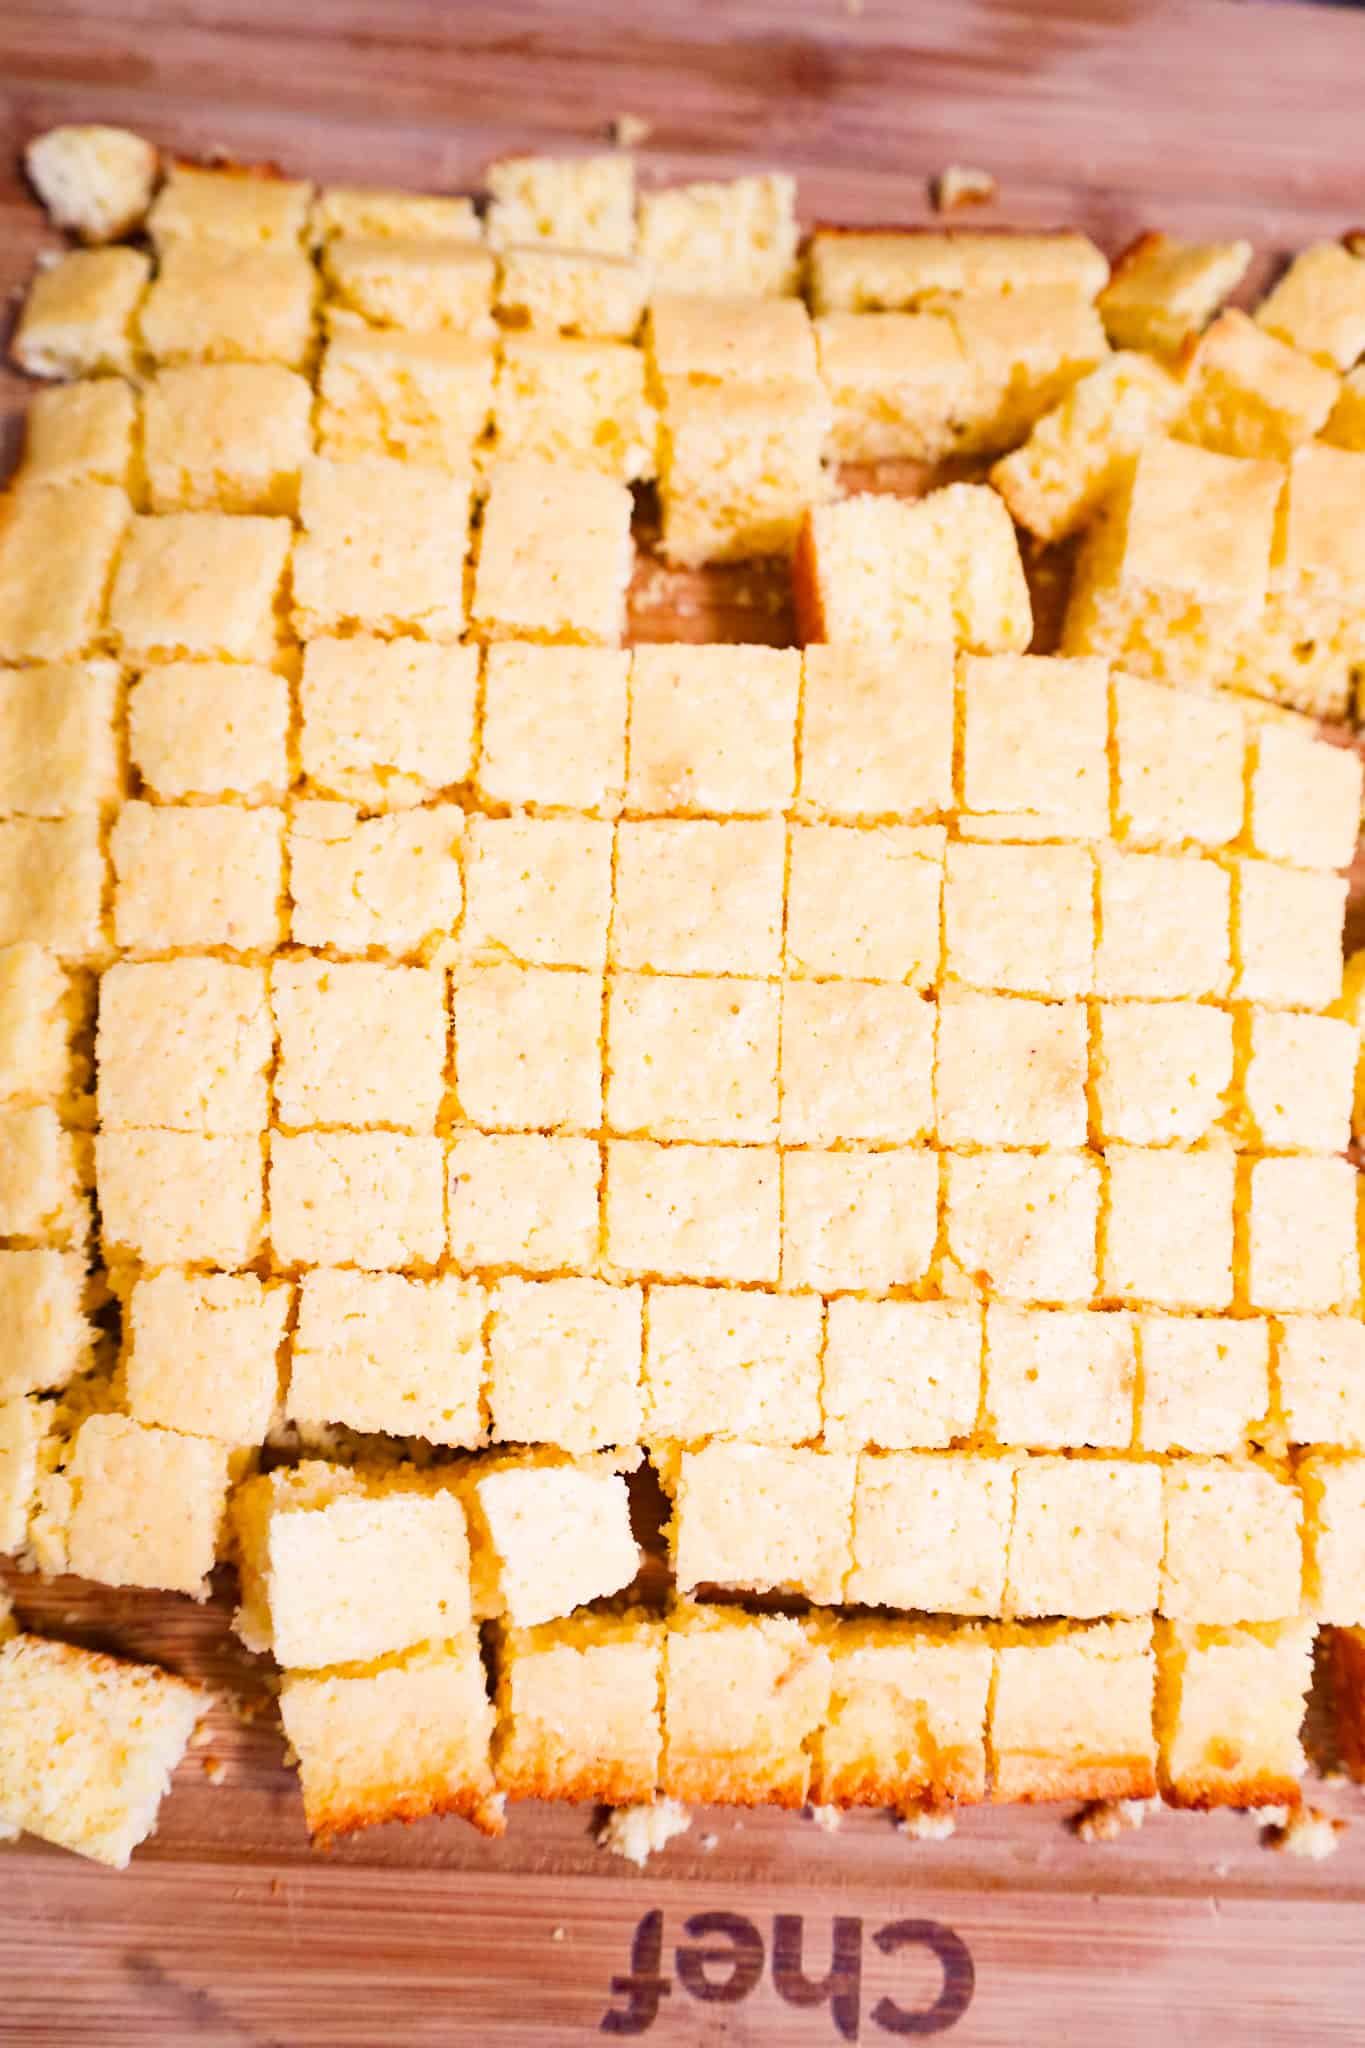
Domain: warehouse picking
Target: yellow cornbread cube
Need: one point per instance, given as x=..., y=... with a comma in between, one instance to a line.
x=418, y=397
x=51, y=882
x=537, y=890
x=1057, y=1378
x=36, y=1019
x=202, y=1353
x=865, y=1221
x=585, y=202
x=200, y=584
x=225, y=437
x=1071, y=1714
x=81, y=433
x=1162, y=1072
x=413, y=285
x=1166, y=1236
x=698, y=897
x=692, y=1212
x=862, y=904
x=1304, y=799
x=564, y=1363
x=1319, y=305
x=95, y=182
x=24, y=1426
x=523, y=1198
x=579, y=1709
x=1248, y=394
x=1286, y=935
x=528, y=1048
x=898, y=383
x=211, y=303
x=79, y=315
x=692, y=1057
x=1334, y=1537
x=714, y=338
x=1233, y=1549
x=713, y=729
x=390, y=883
x=906, y=1725
x=176, y=1198
x=247, y=208
x=1034, y=736
x=380, y=1351
x=1180, y=767
x=383, y=548
x=744, y=1697
x=57, y=550
x=1162, y=290
x=58, y=752
x=865, y=269
x=147, y=1506
x=1320, y=1372
x=900, y=1375
x=876, y=732
x=376, y=211
x=857, y=1063
x=574, y=400
x=739, y=464
x=47, y=1339
x=1023, y=1224
x=374, y=1199
x=1301, y=1248
x=930, y=1531
x=1021, y=919
x=1080, y=452
x=184, y=1045
x=40, y=1191
x=228, y=864
x=1163, y=926
x=1345, y=426
x=1085, y=1539
x=1309, y=649
x=552, y=1534
x=764, y=1518
x=1230, y=1704
x=571, y=291
x=359, y=1043
x=735, y=236
x=1204, y=1382
x=1024, y=349
x=1298, y=1081
x=727, y=1362
x=1009, y=1071
x=210, y=729
x=555, y=555
x=554, y=728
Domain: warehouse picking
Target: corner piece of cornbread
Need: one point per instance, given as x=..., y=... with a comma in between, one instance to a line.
x=1071, y=1713
x=554, y=555
x=1162, y=290
x=744, y=1697
x=579, y=1709
x=1230, y=1703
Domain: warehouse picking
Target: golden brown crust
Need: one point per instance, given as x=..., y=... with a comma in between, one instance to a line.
x=328, y=1819
x=1346, y=1666
x=1028, y=1780
x=603, y=1781
x=940, y=232
x=1135, y=252
x=229, y=167
x=1202, y=1792
x=958, y=1778
x=806, y=597
x=720, y=1781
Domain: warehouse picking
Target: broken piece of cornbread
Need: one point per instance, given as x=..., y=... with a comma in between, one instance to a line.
x=1162, y=290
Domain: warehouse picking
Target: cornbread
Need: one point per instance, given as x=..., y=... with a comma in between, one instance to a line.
x=528, y=1048
x=1023, y=1224
x=202, y=1353
x=1023, y=351
x=389, y=883
x=554, y=555
x=24, y=1425
x=80, y=314
x=1299, y=1081
x=383, y=549
x=571, y=291
x=229, y=867
x=866, y=270
x=238, y=205
x=1071, y=1713
x=744, y=1696
x=863, y=905
x=424, y=398
x=728, y=1362
x=1309, y=648
x=1232, y=1543
x=1318, y=1362
x=574, y=400
x=95, y=182
x=57, y=746
x=1301, y=1248
x=375, y=211
x=411, y=285
x=1034, y=737
x=1229, y=1705
x=579, y=1709
x=210, y=729
x=564, y=1363
x=225, y=437
x=81, y=433
x=551, y=1534
x=36, y=1017
x=41, y=1200
x=1162, y=290
x=692, y=1057
x=1180, y=767
x=1161, y=1071
x=857, y=1064
x=1079, y=453
x=764, y=1518
x=51, y=884
x=1021, y=919
x=898, y=384
x=1166, y=1236
x=1333, y=1490
x=359, y=1043
x=1286, y=935
x=199, y=585
x=1085, y=1539
x=1010, y=1072
x=698, y=339
x=861, y=1221
x=537, y=890
x=147, y=1505
x=1204, y=1382
x=374, y=1199
x=906, y=1724
x=1163, y=926
x=1057, y=1379
x=688, y=708
x=739, y=466
x=1319, y=306
x=1304, y=800
x=692, y=1212
x=898, y=1375
x=698, y=897
x=184, y=1045
x=732, y=237
x=383, y=1352
x=211, y=302
x=47, y=1339
x=1248, y=394
x=177, y=1198
x=931, y=1531
x=876, y=733
x=522, y=1198
x=585, y=202
x=554, y=728
x=57, y=552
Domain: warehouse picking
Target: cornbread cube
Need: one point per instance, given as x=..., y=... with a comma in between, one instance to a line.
x=1059, y=1377
x=1233, y=1549
x=40, y=1193
x=1086, y=1537
x=47, y=1339
x=1310, y=644
x=1079, y=453
x=1204, y=1382
x=359, y=1043
x=528, y=1048
x=382, y=549
x=1230, y=1704
x=1024, y=349
x=35, y=1025
x=898, y=383
x=580, y=401
x=1248, y=394
x=1071, y=1714
x=200, y=584
x=24, y=1425
x=553, y=1535
x=379, y=1351
x=1162, y=290
x=555, y=555
x=1010, y=1072
x=715, y=338
x=1021, y=919
x=1304, y=799
x=147, y=1505
x=1023, y=1225
x=554, y=728
x=1301, y=1248
x=226, y=437
x=699, y=897
x=579, y=1709
x=1286, y=943
x=692, y=1212
x=373, y=1199
x=57, y=548
x=1334, y=1537
x=418, y=397
x=764, y=1518
x=876, y=732
x=397, y=1739
x=1299, y=1080
x=731, y=237
x=739, y=464
x=51, y=883
x=1162, y=1072
x=81, y=434
x=57, y=747
x=857, y=1063
x=691, y=1057
x=523, y=1198
x=907, y=1717
x=1162, y=926
x=1167, y=1233
x=1034, y=736
x=899, y=1375
x=176, y=1198
x=538, y=890
x=1320, y=1373
x=210, y=729
x=95, y=182
x=1345, y=426
x=359, y=883
x=860, y=903
x=78, y=317
x=375, y=211
x=184, y=1045
x=212, y=303
x=202, y=1354
x=867, y=269
x=930, y=1531
x=228, y=865
x=865, y=1221
x=414, y=285
x=564, y=1363
x=237, y=204
x=1319, y=306
x=571, y=291
x=688, y=707
x=1180, y=767
x=585, y=202
x=720, y=1362
x=744, y=1696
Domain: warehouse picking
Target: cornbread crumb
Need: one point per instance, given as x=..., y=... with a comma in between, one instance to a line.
x=382, y=1352
x=225, y=437
x=390, y=883
x=1304, y=1831
x=1071, y=1714
x=202, y=1353
x=555, y=555
x=960, y=185
x=1108, y=1820
x=1204, y=1382
x=184, y=1045
x=579, y=1717
x=374, y=1199
x=78, y=318
x=927, y=1826
x=764, y=1518
x=58, y=753
x=95, y=182
x=57, y=550
x=199, y=585
x=699, y=897
x=528, y=1048
x=639, y=1832
x=898, y=1375
x=424, y=398
x=930, y=1531
x=861, y=904
x=583, y=202
x=382, y=549
x=737, y=236
x=1229, y=1705
x=1162, y=290
x=728, y=1362
x=554, y=728
x=1024, y=1224
x=81, y=433
x=210, y=729
x=525, y=1199
x=211, y=302
x=235, y=204
x=359, y=1043
x=574, y=400
x=743, y=1698
x=178, y=1198
x=147, y=1507
x=692, y=1212
x=229, y=868
x=554, y=1535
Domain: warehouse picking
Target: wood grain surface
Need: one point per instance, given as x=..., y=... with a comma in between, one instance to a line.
x=1211, y=118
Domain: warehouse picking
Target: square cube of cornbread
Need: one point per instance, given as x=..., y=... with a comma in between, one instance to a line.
x=1334, y=1537
x=1301, y=1235
x=1023, y=1225
x=40, y=1191
x=873, y=570
x=1010, y=1071
x=228, y=865
x=692, y=1057
x=1306, y=651
x=862, y=904
x=1320, y=1369
x=184, y=1045
x=210, y=729
x=564, y=1359
x=176, y=1198
x=554, y=727
x=374, y=1199
x=409, y=284
x=24, y=1427
x=528, y=1048
x=1180, y=767
x=1162, y=1072
x=1299, y=1080
x=51, y=882
x=857, y=1063
x=713, y=729
x=537, y=890
x=1035, y=731
x=699, y=897
x=1163, y=926
x=897, y=382
x=523, y=1198
x=391, y=883
x=585, y=202
x=210, y=303
x=900, y=1375
x=555, y=555
x=1059, y=1377
x=744, y=1697
x=731, y=1363
x=380, y=1351
x=1021, y=919
x=47, y=1339
x=398, y=1739
x=1304, y=799
x=1318, y=306
x=81, y=434
x=359, y=1043
x=1071, y=1714
x=247, y=208
x=1086, y=1537
x=863, y=1221
x=867, y=268
x=764, y=1518
x=1248, y=394
x=1166, y=1238
x=715, y=338
x=200, y=584
x=1161, y=290
x=1081, y=451
x=36, y=1021
x=147, y=1505
x=383, y=548
x=1233, y=1546
x=57, y=549
x=202, y=1353
x=78, y=317
x=1204, y=1382
x=1286, y=943
x=1230, y=1705
x=226, y=437
x=579, y=1709
x=739, y=465
x=907, y=1717
x=571, y=291
x=552, y=1535
x=731, y=237
x=1024, y=349
x=877, y=732
x=418, y=397
x=930, y=1531
x=58, y=752
x=572, y=400
x=376, y=211
x=692, y=1212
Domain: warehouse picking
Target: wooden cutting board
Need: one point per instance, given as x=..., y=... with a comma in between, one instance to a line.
x=1212, y=118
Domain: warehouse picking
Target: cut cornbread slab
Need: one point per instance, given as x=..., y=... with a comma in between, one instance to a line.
x=229, y=866
x=692, y=1212
x=1203, y=1382
x=24, y=1427
x=1009, y=1071
x=1162, y=926
x=763, y=1518
x=523, y=1198
x=1333, y=1490
x=95, y=181
x=1034, y=737
x=554, y=728
x=552, y=1534
x=862, y=1221
x=725, y=1362
x=1301, y=1249
x=413, y=285
x=79, y=315
x=731, y=237
x=1021, y=919
x=51, y=884
x=1320, y=1372
x=1024, y=349
x=555, y=555
x=870, y=269
x=184, y=1045
x=374, y=1199
x=1230, y=1703
x=57, y=550
x=58, y=752
x=90, y=1744
x=1248, y=394
x=397, y=1739
x=579, y=1709
x=40, y=1189
x=1233, y=1550
x=382, y=549
x=1310, y=645
x=47, y=1339
x=585, y=202
x=537, y=890
x=360, y=1043
x=862, y=904
x=706, y=338
x=1299, y=1080
x=1162, y=290
x=876, y=732
x=248, y=208
x=571, y=291
x=176, y=1198
x=689, y=707
x=36, y=1019
x=564, y=1363
x=857, y=1063
x=1304, y=799
x=744, y=1695
x=899, y=1375
x=1023, y=1224
x=1085, y=1539
x=377, y=211
x=930, y=1531
x=698, y=897
x=225, y=437
x=1180, y=767
x=210, y=729
x=1057, y=1378
x=416, y=397
x=1166, y=1233
x=906, y=1725
x=692, y=1057
x=202, y=1353
x=1286, y=935
x=81, y=433
x=528, y=1046
x=1162, y=1072
x=211, y=303
x=379, y=1351
x=147, y=1505
x=389, y=883
x=1319, y=305
x=573, y=400
x=897, y=382
x=1071, y=1714
x=200, y=584
x=1077, y=454
x=739, y=464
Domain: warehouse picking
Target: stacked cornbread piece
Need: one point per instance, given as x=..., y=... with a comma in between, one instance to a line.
x=460, y=1071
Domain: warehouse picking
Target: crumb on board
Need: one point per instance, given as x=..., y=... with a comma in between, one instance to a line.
x=215, y=1770
x=827, y=1817
x=961, y=185
x=628, y=131
x=1104, y=1820
x=557, y=1934
x=709, y=1842
x=636, y=1832
x=1301, y=1831
x=927, y=1825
